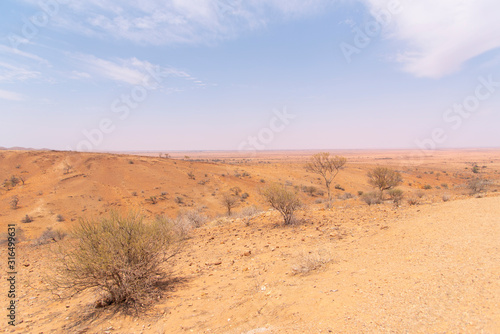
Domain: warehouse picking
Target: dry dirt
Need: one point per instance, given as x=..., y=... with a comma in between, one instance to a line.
x=427, y=268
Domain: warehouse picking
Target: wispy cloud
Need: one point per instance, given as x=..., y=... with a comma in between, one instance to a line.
x=11, y=96
x=13, y=51
x=13, y=73
x=129, y=71
x=440, y=36
x=176, y=21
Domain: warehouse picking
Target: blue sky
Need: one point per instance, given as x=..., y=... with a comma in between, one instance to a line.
x=249, y=75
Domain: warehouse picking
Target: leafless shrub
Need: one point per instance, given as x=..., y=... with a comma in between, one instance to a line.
x=195, y=218
x=49, y=235
x=249, y=211
x=310, y=261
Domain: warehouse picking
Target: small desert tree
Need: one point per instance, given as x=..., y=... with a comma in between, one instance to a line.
x=283, y=200
x=229, y=201
x=119, y=256
x=327, y=167
x=384, y=178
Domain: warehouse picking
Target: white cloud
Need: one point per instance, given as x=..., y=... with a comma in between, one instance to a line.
x=130, y=71
x=12, y=73
x=176, y=21
x=11, y=96
x=441, y=35
x=6, y=49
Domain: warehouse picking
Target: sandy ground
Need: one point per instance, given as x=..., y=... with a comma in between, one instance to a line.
x=429, y=268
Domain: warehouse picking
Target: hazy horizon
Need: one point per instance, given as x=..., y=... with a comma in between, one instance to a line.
x=220, y=75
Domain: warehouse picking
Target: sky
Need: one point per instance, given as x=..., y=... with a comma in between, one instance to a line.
x=249, y=75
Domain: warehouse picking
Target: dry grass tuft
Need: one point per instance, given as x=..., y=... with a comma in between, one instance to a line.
x=307, y=262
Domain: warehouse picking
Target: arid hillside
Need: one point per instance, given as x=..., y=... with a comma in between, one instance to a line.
x=427, y=265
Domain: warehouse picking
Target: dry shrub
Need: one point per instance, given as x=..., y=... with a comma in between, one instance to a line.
x=49, y=235
x=310, y=261
x=477, y=185
x=193, y=218
x=345, y=196
x=14, y=202
x=249, y=211
x=119, y=256
x=446, y=198
x=396, y=196
x=371, y=198
x=413, y=200
x=283, y=200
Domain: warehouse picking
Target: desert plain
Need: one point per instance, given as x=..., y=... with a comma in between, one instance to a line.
x=429, y=264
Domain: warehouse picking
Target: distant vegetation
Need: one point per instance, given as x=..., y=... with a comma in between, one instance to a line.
x=327, y=167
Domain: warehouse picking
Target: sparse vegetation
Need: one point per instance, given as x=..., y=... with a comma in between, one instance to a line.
x=371, y=198
x=384, y=178
x=119, y=256
x=229, y=201
x=283, y=200
x=327, y=167
x=67, y=167
x=413, y=200
x=50, y=235
x=14, y=180
x=307, y=262
x=477, y=185
x=427, y=187
x=14, y=202
x=60, y=218
x=152, y=199
x=191, y=176
x=27, y=219
x=345, y=196
x=396, y=196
